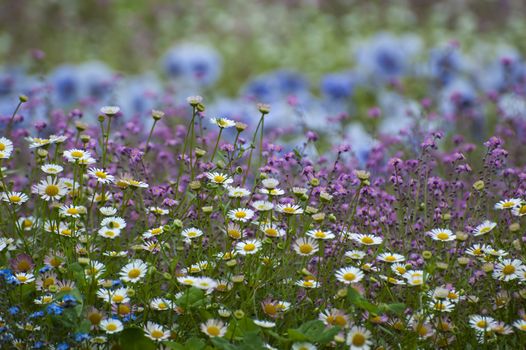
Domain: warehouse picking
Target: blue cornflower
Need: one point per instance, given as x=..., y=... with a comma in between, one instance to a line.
x=36, y=314
x=79, y=337
x=46, y=268
x=13, y=310
x=54, y=309
x=69, y=300
x=63, y=346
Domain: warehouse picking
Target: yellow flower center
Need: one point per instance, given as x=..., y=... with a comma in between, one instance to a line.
x=234, y=234
x=219, y=178
x=156, y=334
x=240, y=214
x=162, y=305
x=15, y=198
x=508, y=269
x=477, y=251
x=2, y=147
x=508, y=204
x=52, y=190
x=442, y=236
x=111, y=327
x=305, y=248
x=390, y=258
x=358, y=339
x=101, y=174
x=482, y=324
x=22, y=278
x=272, y=232
x=337, y=320
x=159, y=230
x=77, y=154
x=213, y=330
x=452, y=295
x=134, y=273
x=72, y=211
x=48, y=282
x=485, y=229
x=320, y=234
x=349, y=276
x=401, y=270
x=270, y=309
x=249, y=247
x=522, y=210
x=308, y=284
x=27, y=223
x=110, y=234
x=367, y=240
x=117, y=298
x=289, y=210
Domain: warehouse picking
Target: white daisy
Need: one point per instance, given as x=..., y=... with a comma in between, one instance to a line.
x=238, y=192
x=213, y=328
x=320, y=234
x=111, y=325
x=52, y=169
x=248, y=247
x=359, y=338
x=442, y=234
x=507, y=269
x=219, y=178
x=349, y=275
x=365, y=239
x=133, y=271
x=192, y=233
x=508, y=203
x=101, y=175
x=290, y=209
x=50, y=189
x=223, y=123
x=484, y=228
x=156, y=332
x=305, y=246
x=240, y=214
x=16, y=198
x=110, y=233
x=391, y=257
x=262, y=205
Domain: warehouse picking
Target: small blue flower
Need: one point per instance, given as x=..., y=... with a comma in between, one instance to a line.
x=44, y=269
x=38, y=345
x=36, y=314
x=54, y=309
x=63, y=346
x=69, y=300
x=13, y=310
x=79, y=337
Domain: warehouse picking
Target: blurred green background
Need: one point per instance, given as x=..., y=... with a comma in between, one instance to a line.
x=311, y=36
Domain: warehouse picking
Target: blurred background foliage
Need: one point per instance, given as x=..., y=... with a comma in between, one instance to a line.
x=311, y=36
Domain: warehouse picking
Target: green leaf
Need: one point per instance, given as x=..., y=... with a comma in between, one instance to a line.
x=396, y=308
x=134, y=339
x=193, y=297
x=313, y=331
x=223, y=344
x=238, y=328
x=195, y=344
x=359, y=301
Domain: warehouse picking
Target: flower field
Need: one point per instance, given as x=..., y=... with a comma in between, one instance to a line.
x=377, y=205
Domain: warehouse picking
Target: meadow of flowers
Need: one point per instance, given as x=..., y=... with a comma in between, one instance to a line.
x=381, y=206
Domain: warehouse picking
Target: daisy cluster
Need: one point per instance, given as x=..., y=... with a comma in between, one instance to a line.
x=198, y=232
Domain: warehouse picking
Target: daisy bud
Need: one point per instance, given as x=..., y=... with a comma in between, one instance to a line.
x=479, y=185
x=199, y=152
x=239, y=314
x=157, y=115
x=516, y=244
x=201, y=107
x=177, y=223
x=426, y=254
x=241, y=126
x=263, y=108
x=239, y=170
x=83, y=261
x=195, y=185
x=514, y=227
x=311, y=210
x=80, y=126
x=208, y=209
x=314, y=182
x=362, y=175
x=342, y=293
x=332, y=218
x=487, y=267
x=231, y=263
x=101, y=118
x=194, y=100
x=522, y=293
x=22, y=98
x=238, y=278
x=462, y=261
x=441, y=265
x=461, y=236
x=220, y=164
x=42, y=153
x=130, y=292
x=325, y=197
x=446, y=216
x=53, y=288
x=167, y=276
x=318, y=217
x=110, y=110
